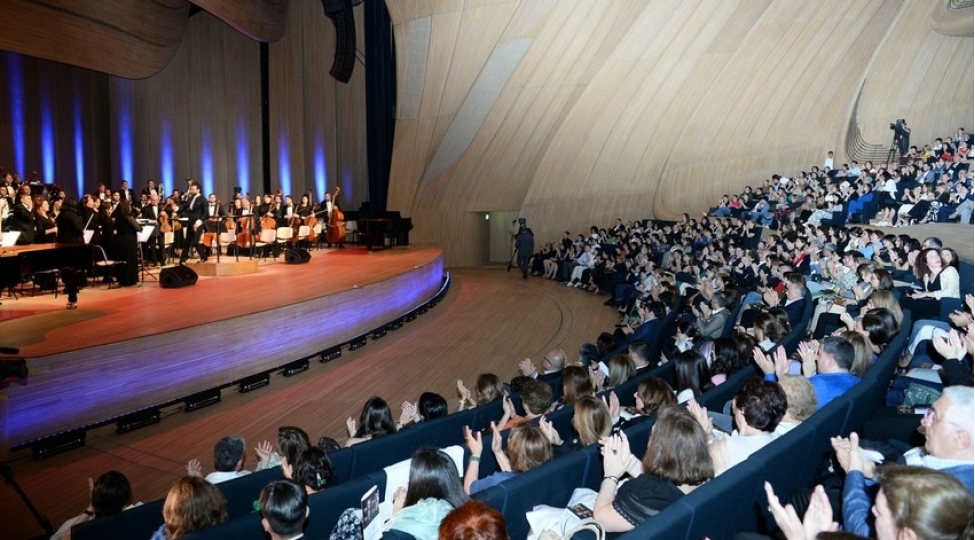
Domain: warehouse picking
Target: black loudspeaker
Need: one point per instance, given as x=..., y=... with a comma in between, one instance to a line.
x=340, y=12
x=296, y=256
x=177, y=277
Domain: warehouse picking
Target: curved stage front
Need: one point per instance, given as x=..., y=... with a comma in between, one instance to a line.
x=126, y=350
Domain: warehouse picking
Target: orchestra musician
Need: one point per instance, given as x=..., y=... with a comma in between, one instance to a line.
x=151, y=188
x=194, y=210
x=214, y=218
x=125, y=192
x=22, y=219
x=155, y=245
x=304, y=208
x=6, y=204
x=45, y=229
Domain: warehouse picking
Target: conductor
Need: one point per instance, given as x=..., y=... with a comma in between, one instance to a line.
x=194, y=210
x=525, y=245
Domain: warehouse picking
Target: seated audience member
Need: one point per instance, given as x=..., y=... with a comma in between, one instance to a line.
x=912, y=503
x=473, y=520
x=434, y=490
x=284, y=509
x=591, y=421
x=863, y=357
x=375, y=421
x=192, y=504
x=948, y=448
x=711, y=316
x=726, y=359
x=801, y=399
x=691, y=375
x=639, y=352
x=757, y=409
x=576, y=384
x=675, y=463
x=110, y=495
x=652, y=394
x=313, y=469
x=291, y=441
x=552, y=364
x=487, y=389
x=536, y=399
x=228, y=460
x=528, y=447
x=428, y=407
x=618, y=370
x=827, y=364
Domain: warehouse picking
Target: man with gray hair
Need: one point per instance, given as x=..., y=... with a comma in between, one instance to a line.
x=228, y=460
x=948, y=433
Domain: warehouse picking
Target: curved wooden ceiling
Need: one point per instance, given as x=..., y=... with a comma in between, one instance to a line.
x=574, y=112
x=133, y=39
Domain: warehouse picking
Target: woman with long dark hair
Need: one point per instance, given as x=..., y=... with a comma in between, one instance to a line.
x=433, y=491
x=375, y=420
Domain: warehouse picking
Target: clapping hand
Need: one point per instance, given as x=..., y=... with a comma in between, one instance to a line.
x=194, y=468
x=350, y=426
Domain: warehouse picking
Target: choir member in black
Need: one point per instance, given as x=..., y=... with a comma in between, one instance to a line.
x=126, y=244
x=194, y=210
x=71, y=231
x=70, y=227
x=45, y=229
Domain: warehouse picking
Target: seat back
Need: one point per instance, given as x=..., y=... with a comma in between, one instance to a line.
x=138, y=522
x=284, y=234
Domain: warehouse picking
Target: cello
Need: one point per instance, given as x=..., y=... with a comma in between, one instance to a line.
x=336, y=222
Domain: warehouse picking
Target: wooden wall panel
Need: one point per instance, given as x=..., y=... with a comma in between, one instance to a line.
x=640, y=109
x=127, y=38
x=321, y=120
x=199, y=118
x=261, y=20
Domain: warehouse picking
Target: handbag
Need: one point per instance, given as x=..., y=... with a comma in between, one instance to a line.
x=589, y=524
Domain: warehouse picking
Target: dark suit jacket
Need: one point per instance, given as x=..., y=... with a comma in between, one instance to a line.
x=198, y=210
x=21, y=219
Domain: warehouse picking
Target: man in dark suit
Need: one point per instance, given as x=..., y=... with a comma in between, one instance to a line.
x=125, y=192
x=155, y=244
x=194, y=210
x=22, y=219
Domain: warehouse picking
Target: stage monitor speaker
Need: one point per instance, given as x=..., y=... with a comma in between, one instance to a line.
x=340, y=12
x=177, y=277
x=296, y=256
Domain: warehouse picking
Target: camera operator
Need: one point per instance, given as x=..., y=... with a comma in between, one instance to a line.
x=525, y=245
x=902, y=135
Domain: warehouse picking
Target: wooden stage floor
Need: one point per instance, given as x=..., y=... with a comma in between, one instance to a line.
x=126, y=349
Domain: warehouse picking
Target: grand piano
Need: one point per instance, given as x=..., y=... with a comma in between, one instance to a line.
x=18, y=262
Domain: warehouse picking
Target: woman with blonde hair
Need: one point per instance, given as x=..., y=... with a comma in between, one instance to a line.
x=192, y=504
x=528, y=447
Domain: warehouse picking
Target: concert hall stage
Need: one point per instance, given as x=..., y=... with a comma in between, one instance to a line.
x=124, y=350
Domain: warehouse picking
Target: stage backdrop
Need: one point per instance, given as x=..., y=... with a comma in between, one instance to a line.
x=198, y=117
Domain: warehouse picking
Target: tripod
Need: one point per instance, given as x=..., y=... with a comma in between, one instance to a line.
x=893, y=151
x=8, y=476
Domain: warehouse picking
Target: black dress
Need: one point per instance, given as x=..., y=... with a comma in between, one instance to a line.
x=126, y=247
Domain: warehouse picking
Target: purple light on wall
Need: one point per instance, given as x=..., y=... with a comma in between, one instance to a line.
x=347, y=184
x=79, y=140
x=321, y=177
x=47, y=134
x=284, y=164
x=206, y=163
x=124, y=104
x=15, y=85
x=243, y=157
x=166, y=154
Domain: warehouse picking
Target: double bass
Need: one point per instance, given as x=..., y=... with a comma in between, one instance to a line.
x=336, y=222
